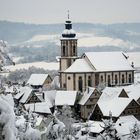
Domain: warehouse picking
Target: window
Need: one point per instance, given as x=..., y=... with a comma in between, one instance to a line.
x=80, y=84
x=116, y=80
x=68, y=77
x=109, y=84
x=74, y=50
x=130, y=78
x=101, y=78
x=64, y=51
x=122, y=78
x=89, y=81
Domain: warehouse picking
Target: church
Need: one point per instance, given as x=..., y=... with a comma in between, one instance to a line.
x=92, y=68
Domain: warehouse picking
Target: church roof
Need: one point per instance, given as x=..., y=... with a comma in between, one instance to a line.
x=80, y=65
x=108, y=61
x=100, y=62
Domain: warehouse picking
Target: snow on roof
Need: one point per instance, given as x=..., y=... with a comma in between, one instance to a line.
x=108, y=61
x=124, y=124
x=94, y=126
x=27, y=91
x=65, y=98
x=50, y=97
x=116, y=106
x=38, y=107
x=110, y=92
x=133, y=91
x=86, y=95
x=37, y=79
x=80, y=65
x=10, y=89
x=66, y=31
x=135, y=58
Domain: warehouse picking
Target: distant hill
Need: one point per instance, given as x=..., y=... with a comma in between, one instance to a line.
x=36, y=42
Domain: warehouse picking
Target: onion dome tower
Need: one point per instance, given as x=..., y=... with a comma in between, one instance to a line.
x=68, y=50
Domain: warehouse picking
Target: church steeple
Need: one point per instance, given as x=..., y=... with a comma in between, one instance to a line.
x=68, y=49
x=68, y=31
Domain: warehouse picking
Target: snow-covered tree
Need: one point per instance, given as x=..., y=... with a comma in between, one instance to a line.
x=4, y=58
x=7, y=121
x=135, y=132
x=55, y=129
x=109, y=132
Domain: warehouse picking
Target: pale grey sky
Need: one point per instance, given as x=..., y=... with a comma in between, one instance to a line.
x=55, y=11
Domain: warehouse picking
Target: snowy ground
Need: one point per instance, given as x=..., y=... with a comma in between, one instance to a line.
x=44, y=65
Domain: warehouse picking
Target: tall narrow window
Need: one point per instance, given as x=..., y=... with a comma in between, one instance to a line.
x=101, y=78
x=74, y=51
x=80, y=83
x=109, y=81
x=64, y=51
x=130, y=78
x=122, y=78
x=89, y=81
x=116, y=79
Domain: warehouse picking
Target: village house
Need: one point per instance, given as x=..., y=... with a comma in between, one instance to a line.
x=117, y=102
x=37, y=81
x=88, y=102
x=66, y=98
x=92, y=68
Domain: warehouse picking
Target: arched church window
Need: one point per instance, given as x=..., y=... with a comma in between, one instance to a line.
x=74, y=50
x=122, y=78
x=130, y=78
x=89, y=81
x=80, y=83
x=116, y=79
x=64, y=50
x=108, y=81
x=101, y=78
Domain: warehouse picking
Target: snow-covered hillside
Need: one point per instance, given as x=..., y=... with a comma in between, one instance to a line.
x=44, y=65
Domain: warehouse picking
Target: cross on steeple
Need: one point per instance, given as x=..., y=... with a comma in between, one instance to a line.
x=68, y=14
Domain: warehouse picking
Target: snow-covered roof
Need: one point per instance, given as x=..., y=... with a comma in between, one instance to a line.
x=38, y=107
x=133, y=91
x=66, y=31
x=9, y=89
x=124, y=124
x=99, y=62
x=86, y=95
x=80, y=65
x=65, y=98
x=116, y=106
x=37, y=79
x=108, y=61
x=49, y=97
x=27, y=91
x=94, y=126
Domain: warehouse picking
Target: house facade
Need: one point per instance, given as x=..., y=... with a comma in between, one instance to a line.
x=88, y=102
x=92, y=68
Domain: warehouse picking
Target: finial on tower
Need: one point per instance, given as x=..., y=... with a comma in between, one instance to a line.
x=68, y=14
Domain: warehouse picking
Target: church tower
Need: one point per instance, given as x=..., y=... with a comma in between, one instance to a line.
x=68, y=50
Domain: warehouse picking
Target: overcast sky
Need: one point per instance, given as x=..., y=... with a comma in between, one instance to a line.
x=55, y=11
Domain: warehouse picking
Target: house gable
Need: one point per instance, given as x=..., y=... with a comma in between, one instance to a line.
x=133, y=108
x=32, y=98
x=93, y=98
x=123, y=94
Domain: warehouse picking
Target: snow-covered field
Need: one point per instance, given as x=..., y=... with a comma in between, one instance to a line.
x=87, y=40
x=44, y=65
